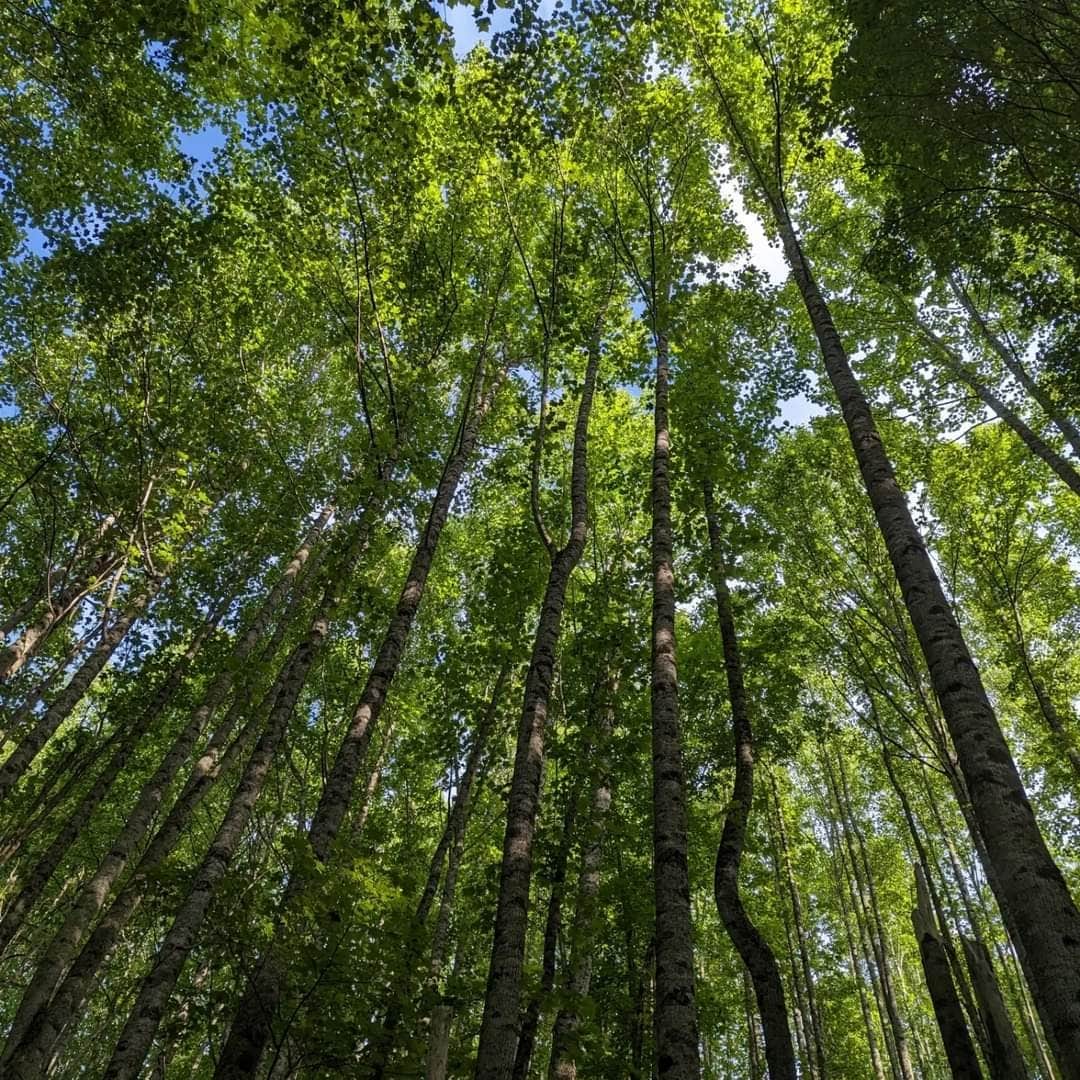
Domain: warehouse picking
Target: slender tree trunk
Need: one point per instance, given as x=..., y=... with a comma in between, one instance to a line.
x=563, y=1062
x=674, y=1013
x=814, y=1017
x=530, y=1021
x=27, y=643
x=1015, y=367
x=1003, y=1058
x=866, y=893
x=69, y=832
x=40, y=1023
x=1037, y=445
x=372, y=785
x=258, y=1008
x=502, y=1000
x=402, y=994
x=20, y=759
x=1025, y=878
x=959, y=1049
x=753, y=1034
x=745, y=936
x=856, y=973
x=138, y=1033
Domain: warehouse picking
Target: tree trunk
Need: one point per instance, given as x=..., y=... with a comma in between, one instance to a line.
x=20, y=759
x=27, y=643
x=1025, y=878
x=40, y=1023
x=1038, y=446
x=745, y=936
x=530, y=1021
x=502, y=999
x=258, y=1008
x=959, y=1049
x=1015, y=367
x=674, y=1013
x=72, y=828
x=138, y=1033
x=563, y=1062
x=814, y=1015
x=1004, y=1058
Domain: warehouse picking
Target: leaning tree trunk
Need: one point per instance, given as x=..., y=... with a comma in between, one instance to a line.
x=956, y=365
x=502, y=1000
x=1015, y=367
x=1025, y=876
x=267, y=983
x=34, y=885
x=1003, y=1056
x=31, y=744
x=959, y=1049
x=40, y=1023
x=745, y=936
x=563, y=1062
x=674, y=1014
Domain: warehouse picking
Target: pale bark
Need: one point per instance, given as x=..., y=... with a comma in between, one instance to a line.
x=32, y=743
x=43, y=869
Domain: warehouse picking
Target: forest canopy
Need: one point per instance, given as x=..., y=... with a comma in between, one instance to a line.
x=540, y=539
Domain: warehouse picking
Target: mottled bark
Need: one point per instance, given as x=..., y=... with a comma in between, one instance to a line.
x=155, y=990
x=959, y=1049
x=267, y=983
x=502, y=1000
x=40, y=1023
x=31, y=744
x=745, y=936
x=16, y=654
x=563, y=1061
x=674, y=1013
x=1025, y=877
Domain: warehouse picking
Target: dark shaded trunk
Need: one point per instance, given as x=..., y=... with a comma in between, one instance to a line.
x=563, y=1062
x=959, y=1049
x=745, y=936
x=267, y=984
x=530, y=1021
x=674, y=1011
x=1003, y=1056
x=502, y=999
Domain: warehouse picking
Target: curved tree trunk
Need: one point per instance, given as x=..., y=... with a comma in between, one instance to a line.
x=745, y=936
x=1025, y=877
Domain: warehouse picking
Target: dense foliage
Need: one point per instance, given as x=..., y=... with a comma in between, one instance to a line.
x=540, y=540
